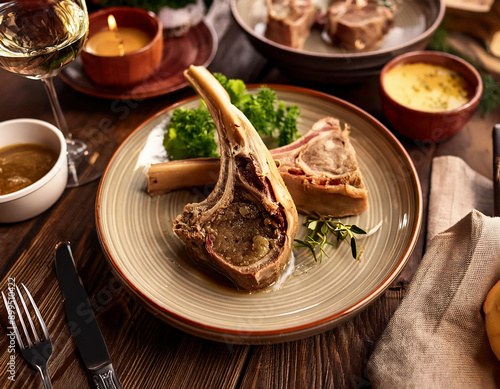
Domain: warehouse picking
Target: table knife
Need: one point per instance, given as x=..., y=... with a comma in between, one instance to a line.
x=82, y=322
x=496, y=170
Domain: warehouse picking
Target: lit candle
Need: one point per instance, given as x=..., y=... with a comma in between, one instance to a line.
x=116, y=41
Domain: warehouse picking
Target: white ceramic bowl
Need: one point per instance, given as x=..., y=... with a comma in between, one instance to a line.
x=42, y=194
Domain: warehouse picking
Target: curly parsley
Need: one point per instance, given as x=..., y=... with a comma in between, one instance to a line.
x=270, y=117
x=191, y=133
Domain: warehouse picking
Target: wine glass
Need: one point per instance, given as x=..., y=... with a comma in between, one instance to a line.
x=37, y=39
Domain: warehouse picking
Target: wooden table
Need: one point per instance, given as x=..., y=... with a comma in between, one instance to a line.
x=146, y=352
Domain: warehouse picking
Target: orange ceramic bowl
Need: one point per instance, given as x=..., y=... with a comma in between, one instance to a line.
x=133, y=67
x=431, y=126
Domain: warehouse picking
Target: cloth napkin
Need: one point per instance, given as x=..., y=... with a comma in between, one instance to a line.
x=436, y=338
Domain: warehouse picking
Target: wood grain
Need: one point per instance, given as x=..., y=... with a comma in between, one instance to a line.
x=147, y=353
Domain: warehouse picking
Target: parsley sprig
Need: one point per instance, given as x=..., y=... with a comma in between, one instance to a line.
x=319, y=228
x=270, y=117
x=191, y=133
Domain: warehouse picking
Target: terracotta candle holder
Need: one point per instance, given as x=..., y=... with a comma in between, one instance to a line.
x=124, y=54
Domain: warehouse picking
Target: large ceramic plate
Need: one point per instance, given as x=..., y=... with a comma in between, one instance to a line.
x=415, y=22
x=197, y=47
x=135, y=231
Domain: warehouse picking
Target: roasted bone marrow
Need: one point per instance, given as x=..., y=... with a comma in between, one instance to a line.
x=243, y=234
x=246, y=226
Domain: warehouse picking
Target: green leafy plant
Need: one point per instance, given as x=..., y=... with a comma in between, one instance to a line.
x=490, y=100
x=319, y=230
x=270, y=117
x=191, y=132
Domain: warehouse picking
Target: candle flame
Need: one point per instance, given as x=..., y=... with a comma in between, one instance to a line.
x=112, y=23
x=113, y=27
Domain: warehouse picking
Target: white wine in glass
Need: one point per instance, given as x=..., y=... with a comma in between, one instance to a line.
x=37, y=39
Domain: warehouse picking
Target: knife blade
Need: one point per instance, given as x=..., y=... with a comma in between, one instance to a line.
x=496, y=170
x=82, y=323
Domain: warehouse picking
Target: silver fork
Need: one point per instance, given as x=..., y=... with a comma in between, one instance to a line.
x=36, y=353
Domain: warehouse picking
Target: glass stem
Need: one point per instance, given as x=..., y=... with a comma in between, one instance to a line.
x=56, y=107
x=63, y=126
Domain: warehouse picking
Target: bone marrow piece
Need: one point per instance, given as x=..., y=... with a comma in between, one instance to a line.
x=289, y=22
x=243, y=234
x=356, y=26
x=320, y=170
x=165, y=177
x=246, y=226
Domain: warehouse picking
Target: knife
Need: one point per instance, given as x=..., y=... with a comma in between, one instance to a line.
x=82, y=322
x=496, y=170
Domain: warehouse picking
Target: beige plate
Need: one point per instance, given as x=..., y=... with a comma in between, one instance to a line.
x=415, y=22
x=135, y=231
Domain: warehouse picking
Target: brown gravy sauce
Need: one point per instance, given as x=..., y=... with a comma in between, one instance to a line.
x=22, y=164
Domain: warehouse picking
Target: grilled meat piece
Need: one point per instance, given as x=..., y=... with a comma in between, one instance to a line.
x=358, y=27
x=320, y=170
x=246, y=227
x=289, y=21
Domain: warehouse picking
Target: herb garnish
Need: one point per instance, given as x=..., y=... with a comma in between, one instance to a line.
x=278, y=123
x=191, y=132
x=318, y=229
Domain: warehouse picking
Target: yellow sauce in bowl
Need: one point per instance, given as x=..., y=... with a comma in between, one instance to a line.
x=22, y=164
x=426, y=87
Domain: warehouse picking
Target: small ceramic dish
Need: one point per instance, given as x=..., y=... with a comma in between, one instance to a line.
x=130, y=68
x=196, y=47
x=420, y=123
x=36, y=198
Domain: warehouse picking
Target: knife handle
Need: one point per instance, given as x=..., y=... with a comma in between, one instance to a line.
x=496, y=170
x=104, y=377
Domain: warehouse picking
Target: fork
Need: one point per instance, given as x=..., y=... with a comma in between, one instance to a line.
x=36, y=353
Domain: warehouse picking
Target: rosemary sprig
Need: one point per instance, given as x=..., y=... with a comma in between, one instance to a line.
x=320, y=227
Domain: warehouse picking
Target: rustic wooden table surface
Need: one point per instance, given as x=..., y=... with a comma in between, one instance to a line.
x=146, y=352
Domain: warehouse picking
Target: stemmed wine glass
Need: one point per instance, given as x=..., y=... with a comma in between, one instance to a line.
x=37, y=39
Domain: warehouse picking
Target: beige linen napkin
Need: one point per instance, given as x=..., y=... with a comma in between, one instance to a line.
x=436, y=338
